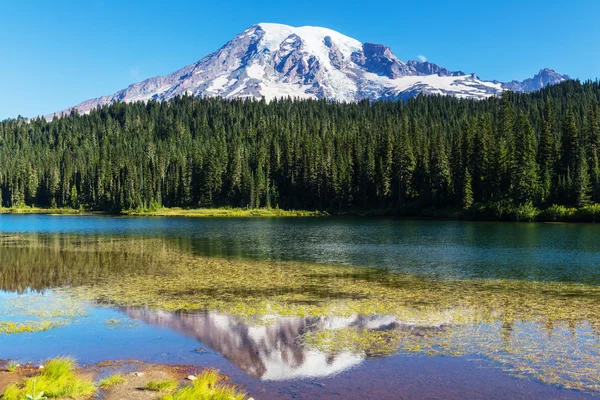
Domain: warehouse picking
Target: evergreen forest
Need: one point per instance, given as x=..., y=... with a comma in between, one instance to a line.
x=518, y=157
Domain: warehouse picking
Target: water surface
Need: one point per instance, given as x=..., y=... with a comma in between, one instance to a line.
x=448, y=349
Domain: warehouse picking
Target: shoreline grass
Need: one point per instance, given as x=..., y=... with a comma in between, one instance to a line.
x=209, y=385
x=41, y=210
x=170, y=212
x=491, y=212
x=223, y=212
x=161, y=386
x=113, y=380
x=58, y=379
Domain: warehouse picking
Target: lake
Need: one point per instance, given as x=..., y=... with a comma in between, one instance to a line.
x=313, y=308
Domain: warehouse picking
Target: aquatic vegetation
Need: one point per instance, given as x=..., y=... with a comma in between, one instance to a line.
x=161, y=386
x=209, y=386
x=43, y=306
x=470, y=311
x=57, y=379
x=122, y=323
x=365, y=342
x=546, y=330
x=11, y=328
x=30, y=313
x=112, y=380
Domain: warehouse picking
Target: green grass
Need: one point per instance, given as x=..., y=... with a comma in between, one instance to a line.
x=161, y=386
x=39, y=210
x=113, y=380
x=12, y=366
x=224, y=212
x=208, y=386
x=174, y=212
x=58, y=380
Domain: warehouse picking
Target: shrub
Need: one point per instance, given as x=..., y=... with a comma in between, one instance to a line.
x=525, y=212
x=558, y=213
x=589, y=213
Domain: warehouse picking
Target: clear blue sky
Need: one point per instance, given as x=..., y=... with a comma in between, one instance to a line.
x=55, y=54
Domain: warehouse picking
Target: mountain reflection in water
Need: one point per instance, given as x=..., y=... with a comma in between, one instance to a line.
x=270, y=350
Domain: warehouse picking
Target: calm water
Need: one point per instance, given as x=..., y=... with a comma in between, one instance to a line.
x=545, y=252
x=268, y=358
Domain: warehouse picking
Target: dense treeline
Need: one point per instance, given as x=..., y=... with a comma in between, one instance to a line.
x=432, y=152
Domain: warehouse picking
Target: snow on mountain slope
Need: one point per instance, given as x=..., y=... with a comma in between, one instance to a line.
x=273, y=60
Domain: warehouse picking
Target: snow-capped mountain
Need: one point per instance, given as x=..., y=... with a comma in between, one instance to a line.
x=273, y=60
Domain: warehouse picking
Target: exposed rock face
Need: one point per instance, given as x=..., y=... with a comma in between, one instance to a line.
x=427, y=68
x=380, y=60
x=273, y=61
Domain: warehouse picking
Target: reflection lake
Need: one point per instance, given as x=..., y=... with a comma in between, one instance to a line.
x=313, y=308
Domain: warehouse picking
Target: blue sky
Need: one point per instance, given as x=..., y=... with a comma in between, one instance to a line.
x=55, y=54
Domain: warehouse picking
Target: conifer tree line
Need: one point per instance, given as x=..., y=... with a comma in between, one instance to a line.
x=431, y=152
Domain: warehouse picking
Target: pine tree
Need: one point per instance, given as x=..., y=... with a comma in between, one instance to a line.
x=404, y=164
x=593, y=149
x=467, y=191
x=547, y=145
x=524, y=176
x=581, y=183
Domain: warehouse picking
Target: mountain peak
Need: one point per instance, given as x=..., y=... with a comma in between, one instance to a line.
x=543, y=78
x=270, y=60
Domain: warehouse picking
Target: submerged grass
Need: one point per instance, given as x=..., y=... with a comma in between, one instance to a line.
x=546, y=330
x=208, y=386
x=489, y=318
x=34, y=312
x=12, y=328
x=58, y=380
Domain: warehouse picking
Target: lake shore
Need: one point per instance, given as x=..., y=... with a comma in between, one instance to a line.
x=171, y=212
x=494, y=212
x=115, y=379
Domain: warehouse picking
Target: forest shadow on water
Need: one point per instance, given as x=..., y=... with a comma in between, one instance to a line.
x=281, y=320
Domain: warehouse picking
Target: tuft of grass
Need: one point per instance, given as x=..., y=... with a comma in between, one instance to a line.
x=161, y=386
x=113, y=380
x=208, y=386
x=12, y=366
x=57, y=380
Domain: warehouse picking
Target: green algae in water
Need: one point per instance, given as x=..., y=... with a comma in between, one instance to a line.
x=12, y=328
x=35, y=312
